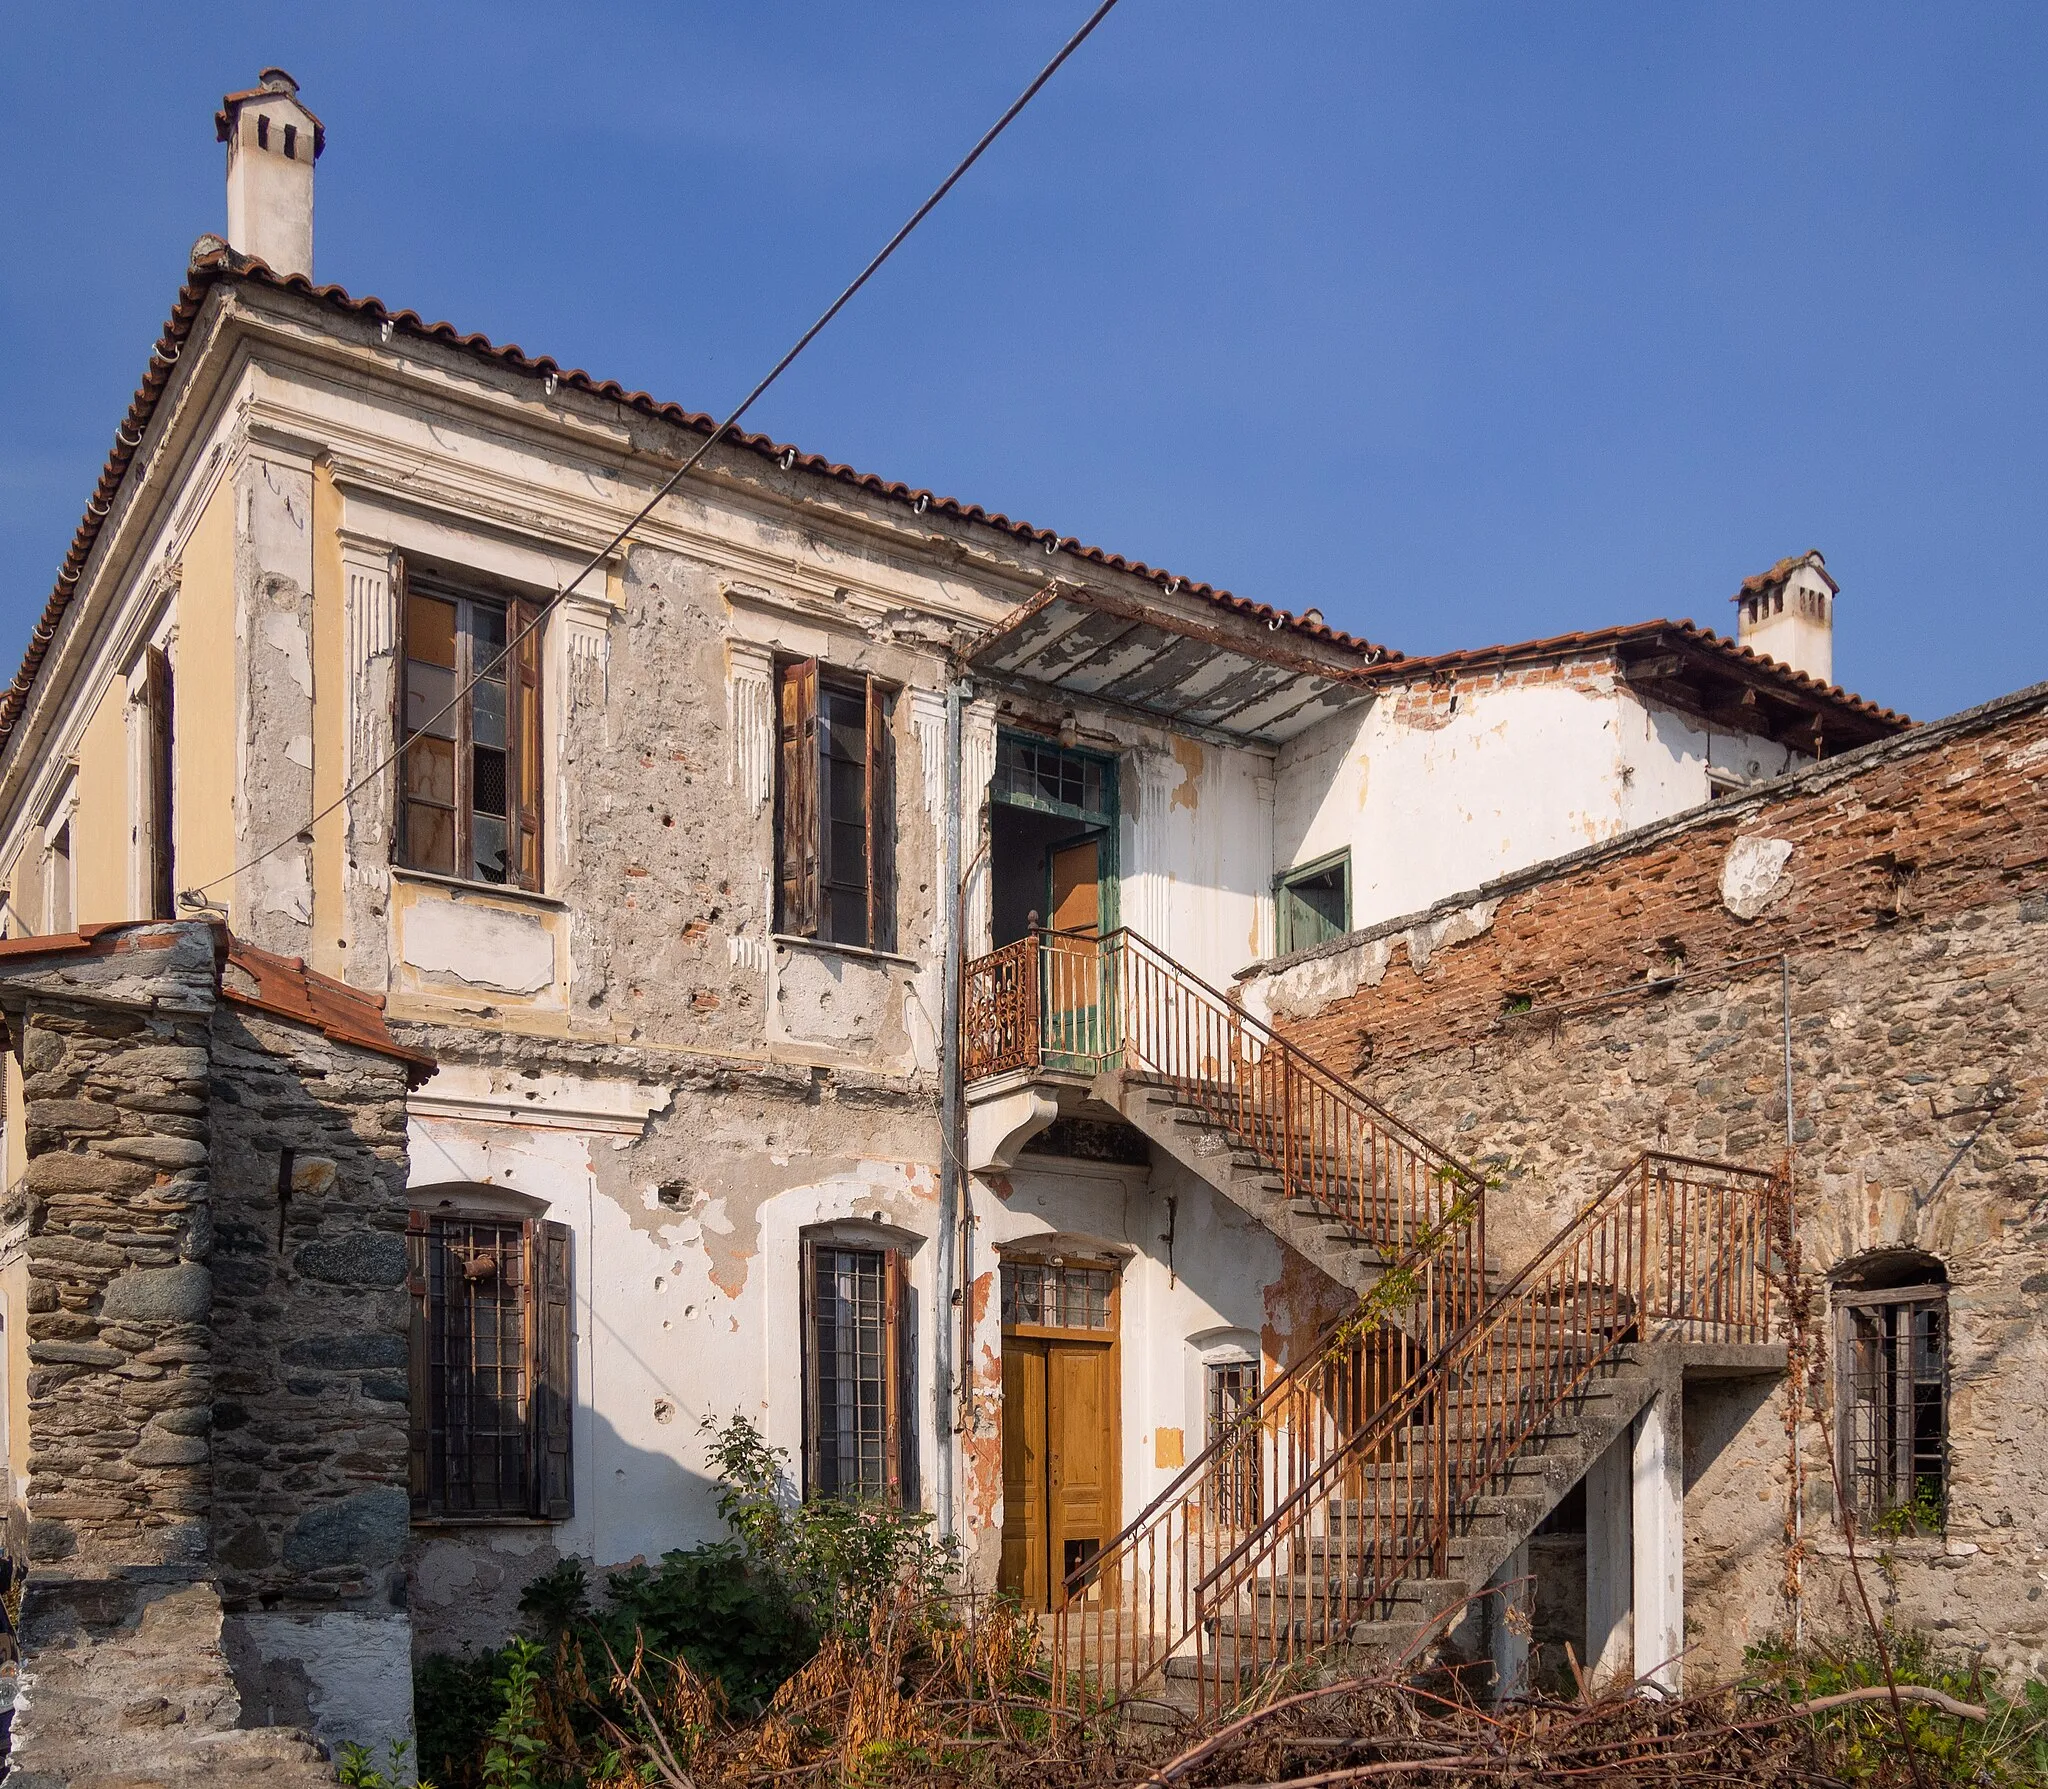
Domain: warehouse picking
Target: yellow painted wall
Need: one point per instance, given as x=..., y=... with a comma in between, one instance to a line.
x=203, y=705
x=330, y=724
x=102, y=822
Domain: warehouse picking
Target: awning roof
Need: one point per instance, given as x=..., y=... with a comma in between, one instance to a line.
x=1247, y=682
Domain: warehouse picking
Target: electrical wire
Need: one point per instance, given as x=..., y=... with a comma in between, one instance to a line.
x=194, y=898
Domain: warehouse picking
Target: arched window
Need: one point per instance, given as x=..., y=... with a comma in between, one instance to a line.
x=1891, y=1378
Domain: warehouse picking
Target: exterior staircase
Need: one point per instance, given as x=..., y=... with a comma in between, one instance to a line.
x=1391, y=1472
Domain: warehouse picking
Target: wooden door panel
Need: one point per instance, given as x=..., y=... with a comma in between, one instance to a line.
x=1076, y=892
x=1025, y=1553
x=1081, y=1410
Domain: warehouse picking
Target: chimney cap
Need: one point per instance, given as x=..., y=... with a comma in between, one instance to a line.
x=272, y=83
x=1783, y=571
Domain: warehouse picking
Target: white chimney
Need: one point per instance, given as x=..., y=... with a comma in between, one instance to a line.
x=272, y=142
x=1788, y=613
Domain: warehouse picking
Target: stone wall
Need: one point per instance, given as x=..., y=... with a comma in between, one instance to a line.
x=1635, y=997
x=217, y=1400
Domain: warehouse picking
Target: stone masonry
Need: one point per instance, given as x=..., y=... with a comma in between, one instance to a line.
x=215, y=1501
x=1635, y=996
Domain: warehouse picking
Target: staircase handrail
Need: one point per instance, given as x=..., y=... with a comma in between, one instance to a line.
x=1628, y=1310
x=1111, y=989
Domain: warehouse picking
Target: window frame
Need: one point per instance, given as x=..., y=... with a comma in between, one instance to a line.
x=546, y=1368
x=524, y=748
x=1883, y=1471
x=808, y=873
x=896, y=1356
x=1234, y=1488
x=1284, y=884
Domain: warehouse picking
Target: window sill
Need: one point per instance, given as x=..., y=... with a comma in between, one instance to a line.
x=496, y=890
x=430, y=1522
x=790, y=941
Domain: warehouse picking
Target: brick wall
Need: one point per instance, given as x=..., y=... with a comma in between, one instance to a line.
x=1902, y=894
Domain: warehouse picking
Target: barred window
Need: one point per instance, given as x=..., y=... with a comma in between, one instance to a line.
x=1052, y=1295
x=1892, y=1389
x=492, y=1359
x=1233, y=1389
x=860, y=1332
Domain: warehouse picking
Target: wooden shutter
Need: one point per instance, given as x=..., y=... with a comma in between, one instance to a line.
x=523, y=687
x=797, y=831
x=807, y=1316
x=156, y=695
x=903, y=1338
x=892, y=1379
x=551, y=1368
x=881, y=822
x=420, y=1466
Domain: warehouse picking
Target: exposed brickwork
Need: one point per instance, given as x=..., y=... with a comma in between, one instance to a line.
x=1912, y=911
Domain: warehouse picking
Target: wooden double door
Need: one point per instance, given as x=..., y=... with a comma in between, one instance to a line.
x=1061, y=1431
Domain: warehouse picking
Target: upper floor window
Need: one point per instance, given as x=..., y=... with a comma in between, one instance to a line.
x=1314, y=902
x=491, y=1365
x=860, y=1353
x=835, y=809
x=1892, y=1389
x=154, y=832
x=469, y=722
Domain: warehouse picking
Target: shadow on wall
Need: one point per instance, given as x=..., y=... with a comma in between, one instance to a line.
x=466, y=1577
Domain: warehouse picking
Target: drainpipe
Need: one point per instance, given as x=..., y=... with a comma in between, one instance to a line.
x=951, y=1284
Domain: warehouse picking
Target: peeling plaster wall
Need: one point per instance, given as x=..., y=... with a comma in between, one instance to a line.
x=1199, y=1277
x=687, y=1191
x=1440, y=788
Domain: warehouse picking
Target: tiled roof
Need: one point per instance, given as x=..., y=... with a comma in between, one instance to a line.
x=212, y=265
x=286, y=988
x=1685, y=635
x=281, y=986
x=1770, y=580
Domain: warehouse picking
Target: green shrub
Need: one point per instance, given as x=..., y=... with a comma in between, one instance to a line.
x=1862, y=1739
x=454, y=1703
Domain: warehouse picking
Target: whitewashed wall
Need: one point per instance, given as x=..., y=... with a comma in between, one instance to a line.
x=1433, y=801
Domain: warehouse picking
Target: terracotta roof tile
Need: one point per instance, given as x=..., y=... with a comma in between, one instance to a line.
x=286, y=988
x=212, y=266
x=1685, y=634
x=282, y=986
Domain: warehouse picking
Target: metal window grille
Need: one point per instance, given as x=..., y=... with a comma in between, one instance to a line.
x=852, y=1373
x=1234, y=1481
x=478, y=1367
x=1051, y=1295
x=1896, y=1432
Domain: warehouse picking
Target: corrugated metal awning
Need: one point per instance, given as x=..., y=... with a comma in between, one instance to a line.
x=1086, y=642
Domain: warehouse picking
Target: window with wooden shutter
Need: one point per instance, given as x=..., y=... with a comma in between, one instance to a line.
x=493, y=1382
x=1892, y=1391
x=860, y=1374
x=836, y=809
x=160, y=888
x=796, y=796
x=469, y=784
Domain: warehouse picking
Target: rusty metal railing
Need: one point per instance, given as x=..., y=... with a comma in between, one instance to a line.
x=1672, y=1249
x=1077, y=1002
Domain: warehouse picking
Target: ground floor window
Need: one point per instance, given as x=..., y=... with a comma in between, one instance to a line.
x=860, y=1353
x=492, y=1356
x=1233, y=1389
x=1893, y=1393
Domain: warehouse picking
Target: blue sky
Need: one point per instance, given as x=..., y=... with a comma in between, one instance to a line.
x=1464, y=323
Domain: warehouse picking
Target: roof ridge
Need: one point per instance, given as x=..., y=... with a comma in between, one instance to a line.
x=214, y=261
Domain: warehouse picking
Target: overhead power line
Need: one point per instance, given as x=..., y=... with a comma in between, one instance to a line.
x=196, y=897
